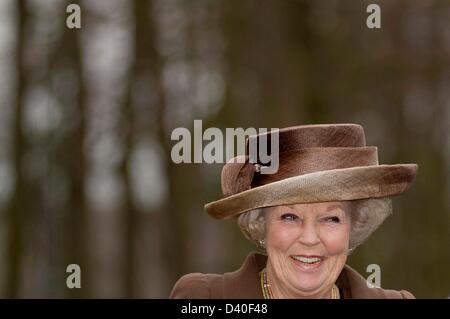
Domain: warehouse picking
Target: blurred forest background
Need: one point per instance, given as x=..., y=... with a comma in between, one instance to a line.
x=86, y=116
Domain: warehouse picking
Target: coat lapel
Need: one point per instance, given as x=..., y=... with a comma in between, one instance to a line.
x=244, y=283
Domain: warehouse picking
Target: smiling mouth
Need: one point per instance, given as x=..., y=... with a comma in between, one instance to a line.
x=308, y=260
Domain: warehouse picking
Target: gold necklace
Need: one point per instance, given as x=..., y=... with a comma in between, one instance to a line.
x=267, y=291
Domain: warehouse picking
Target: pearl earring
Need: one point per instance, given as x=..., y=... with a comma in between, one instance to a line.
x=262, y=243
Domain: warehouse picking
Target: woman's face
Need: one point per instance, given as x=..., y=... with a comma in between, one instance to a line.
x=307, y=246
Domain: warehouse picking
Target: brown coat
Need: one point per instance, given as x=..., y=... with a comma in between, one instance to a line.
x=244, y=284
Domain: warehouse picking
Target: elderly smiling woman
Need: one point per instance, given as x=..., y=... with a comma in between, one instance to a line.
x=327, y=197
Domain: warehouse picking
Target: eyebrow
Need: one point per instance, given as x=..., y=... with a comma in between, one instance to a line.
x=329, y=209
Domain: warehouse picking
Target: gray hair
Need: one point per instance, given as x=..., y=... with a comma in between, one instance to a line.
x=366, y=215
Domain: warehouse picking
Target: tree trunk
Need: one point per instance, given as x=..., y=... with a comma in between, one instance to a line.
x=16, y=211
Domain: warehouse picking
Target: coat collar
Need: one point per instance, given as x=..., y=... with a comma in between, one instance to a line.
x=245, y=282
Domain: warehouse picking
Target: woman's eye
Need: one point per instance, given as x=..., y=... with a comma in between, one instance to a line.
x=289, y=217
x=332, y=219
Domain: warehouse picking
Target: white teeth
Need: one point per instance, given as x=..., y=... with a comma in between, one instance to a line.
x=308, y=260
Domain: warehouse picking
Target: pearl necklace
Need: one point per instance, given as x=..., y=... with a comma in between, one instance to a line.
x=267, y=291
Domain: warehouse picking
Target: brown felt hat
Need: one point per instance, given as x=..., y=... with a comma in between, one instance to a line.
x=317, y=163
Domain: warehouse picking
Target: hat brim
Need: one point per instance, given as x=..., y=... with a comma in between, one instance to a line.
x=324, y=186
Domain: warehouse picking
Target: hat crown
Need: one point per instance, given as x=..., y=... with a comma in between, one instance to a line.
x=302, y=149
x=317, y=135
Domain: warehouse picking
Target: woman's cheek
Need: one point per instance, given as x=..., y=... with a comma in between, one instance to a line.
x=281, y=237
x=336, y=241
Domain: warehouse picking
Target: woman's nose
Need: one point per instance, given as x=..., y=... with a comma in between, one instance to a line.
x=309, y=235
